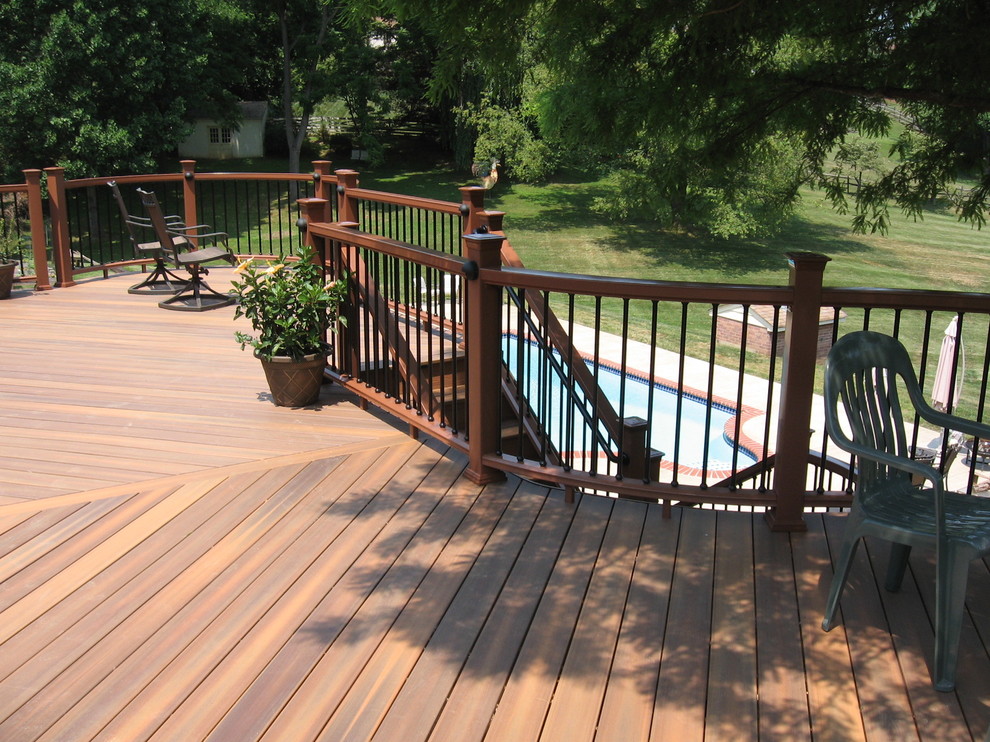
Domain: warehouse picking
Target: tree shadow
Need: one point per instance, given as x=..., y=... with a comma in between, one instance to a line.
x=733, y=256
x=520, y=594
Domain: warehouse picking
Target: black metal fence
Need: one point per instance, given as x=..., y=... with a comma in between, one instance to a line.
x=260, y=216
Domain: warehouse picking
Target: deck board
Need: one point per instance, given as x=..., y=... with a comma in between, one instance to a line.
x=145, y=385
x=684, y=662
x=179, y=559
x=783, y=692
x=733, y=628
x=579, y=694
x=466, y=714
x=886, y=710
x=529, y=691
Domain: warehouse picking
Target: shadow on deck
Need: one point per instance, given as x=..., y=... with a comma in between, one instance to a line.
x=180, y=560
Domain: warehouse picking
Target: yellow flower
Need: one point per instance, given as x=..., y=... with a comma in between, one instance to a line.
x=274, y=268
x=243, y=266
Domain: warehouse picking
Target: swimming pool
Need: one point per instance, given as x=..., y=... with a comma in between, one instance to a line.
x=701, y=421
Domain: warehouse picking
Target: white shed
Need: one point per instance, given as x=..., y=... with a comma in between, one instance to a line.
x=214, y=140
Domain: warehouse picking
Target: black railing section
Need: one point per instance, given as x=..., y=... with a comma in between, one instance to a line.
x=15, y=226
x=403, y=337
x=411, y=224
x=541, y=393
x=259, y=215
x=951, y=350
x=707, y=417
x=96, y=230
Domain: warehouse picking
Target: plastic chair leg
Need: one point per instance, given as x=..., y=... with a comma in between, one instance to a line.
x=839, y=580
x=950, y=600
x=897, y=565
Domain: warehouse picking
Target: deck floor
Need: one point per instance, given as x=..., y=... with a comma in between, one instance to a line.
x=180, y=560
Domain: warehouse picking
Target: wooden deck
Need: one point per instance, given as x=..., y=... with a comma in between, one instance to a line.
x=180, y=560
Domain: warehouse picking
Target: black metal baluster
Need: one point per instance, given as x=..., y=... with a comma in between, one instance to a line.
x=680, y=393
x=434, y=296
x=572, y=406
x=768, y=407
x=737, y=430
x=595, y=416
x=651, y=393
x=710, y=392
x=623, y=375
x=373, y=329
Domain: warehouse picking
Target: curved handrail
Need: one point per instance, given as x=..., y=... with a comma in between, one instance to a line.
x=418, y=202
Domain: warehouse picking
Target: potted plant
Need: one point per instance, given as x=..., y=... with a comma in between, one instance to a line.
x=10, y=256
x=291, y=308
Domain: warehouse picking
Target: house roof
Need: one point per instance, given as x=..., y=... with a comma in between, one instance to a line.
x=762, y=315
x=254, y=109
x=250, y=110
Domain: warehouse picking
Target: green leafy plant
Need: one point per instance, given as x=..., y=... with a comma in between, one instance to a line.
x=10, y=242
x=290, y=306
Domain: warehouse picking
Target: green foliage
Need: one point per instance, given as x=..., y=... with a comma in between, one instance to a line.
x=100, y=87
x=702, y=87
x=289, y=305
x=11, y=243
x=508, y=137
x=752, y=199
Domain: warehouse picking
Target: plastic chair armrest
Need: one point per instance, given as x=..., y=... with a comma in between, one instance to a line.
x=903, y=463
x=953, y=422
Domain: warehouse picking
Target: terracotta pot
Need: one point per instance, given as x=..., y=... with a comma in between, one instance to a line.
x=6, y=278
x=295, y=383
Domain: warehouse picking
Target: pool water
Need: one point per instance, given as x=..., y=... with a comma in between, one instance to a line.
x=542, y=387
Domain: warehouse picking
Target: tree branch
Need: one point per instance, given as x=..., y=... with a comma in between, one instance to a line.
x=971, y=103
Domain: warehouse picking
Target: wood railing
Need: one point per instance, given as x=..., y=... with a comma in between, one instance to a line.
x=439, y=299
x=787, y=477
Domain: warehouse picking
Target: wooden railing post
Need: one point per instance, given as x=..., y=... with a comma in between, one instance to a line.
x=314, y=210
x=636, y=461
x=189, y=211
x=58, y=211
x=797, y=391
x=321, y=178
x=494, y=220
x=472, y=208
x=483, y=341
x=36, y=215
x=347, y=210
x=344, y=261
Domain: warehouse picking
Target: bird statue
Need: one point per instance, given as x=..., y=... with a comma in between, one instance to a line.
x=490, y=177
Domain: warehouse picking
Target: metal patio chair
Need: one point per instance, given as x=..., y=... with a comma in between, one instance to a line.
x=196, y=296
x=161, y=280
x=862, y=375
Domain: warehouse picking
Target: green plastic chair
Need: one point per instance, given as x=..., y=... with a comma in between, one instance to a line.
x=861, y=374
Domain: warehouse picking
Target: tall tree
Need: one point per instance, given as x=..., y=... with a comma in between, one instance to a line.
x=100, y=86
x=708, y=85
x=304, y=29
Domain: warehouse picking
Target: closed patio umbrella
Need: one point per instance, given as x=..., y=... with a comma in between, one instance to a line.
x=945, y=379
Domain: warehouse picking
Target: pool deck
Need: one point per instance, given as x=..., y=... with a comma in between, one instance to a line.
x=180, y=560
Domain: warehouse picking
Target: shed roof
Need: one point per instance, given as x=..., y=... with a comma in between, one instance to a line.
x=762, y=315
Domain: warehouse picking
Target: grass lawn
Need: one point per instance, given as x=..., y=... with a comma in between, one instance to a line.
x=553, y=227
